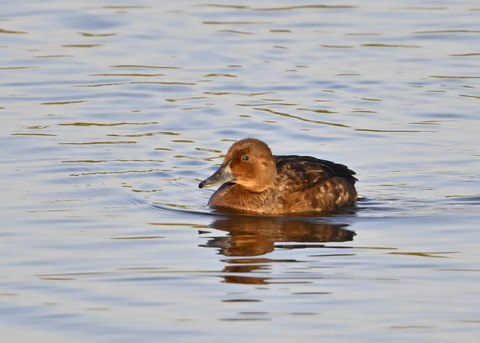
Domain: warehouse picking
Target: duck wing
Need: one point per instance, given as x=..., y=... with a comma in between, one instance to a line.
x=296, y=173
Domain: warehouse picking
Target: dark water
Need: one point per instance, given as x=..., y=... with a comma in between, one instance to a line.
x=112, y=113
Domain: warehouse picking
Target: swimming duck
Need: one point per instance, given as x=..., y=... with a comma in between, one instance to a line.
x=255, y=181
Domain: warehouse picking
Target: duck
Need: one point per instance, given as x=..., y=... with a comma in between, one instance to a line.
x=254, y=181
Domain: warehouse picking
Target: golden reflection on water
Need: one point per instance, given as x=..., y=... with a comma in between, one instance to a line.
x=434, y=254
x=63, y=102
x=143, y=66
x=106, y=124
x=127, y=74
x=12, y=32
x=283, y=114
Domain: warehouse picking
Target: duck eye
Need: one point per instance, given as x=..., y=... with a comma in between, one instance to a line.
x=245, y=158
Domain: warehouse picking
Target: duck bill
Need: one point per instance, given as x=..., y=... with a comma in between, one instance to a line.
x=222, y=175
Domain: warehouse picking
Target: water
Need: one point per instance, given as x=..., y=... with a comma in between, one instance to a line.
x=112, y=114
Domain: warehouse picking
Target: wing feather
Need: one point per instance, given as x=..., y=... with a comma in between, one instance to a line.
x=297, y=173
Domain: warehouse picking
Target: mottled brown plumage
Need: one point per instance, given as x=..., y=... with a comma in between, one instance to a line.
x=253, y=180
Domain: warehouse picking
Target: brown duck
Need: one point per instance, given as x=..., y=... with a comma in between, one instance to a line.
x=255, y=181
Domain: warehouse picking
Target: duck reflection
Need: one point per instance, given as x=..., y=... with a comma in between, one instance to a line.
x=253, y=236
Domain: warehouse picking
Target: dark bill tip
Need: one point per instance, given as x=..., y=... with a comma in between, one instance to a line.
x=222, y=175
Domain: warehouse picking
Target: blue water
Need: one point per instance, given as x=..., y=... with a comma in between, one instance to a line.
x=112, y=114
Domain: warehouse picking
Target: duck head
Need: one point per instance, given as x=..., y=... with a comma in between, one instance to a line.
x=248, y=163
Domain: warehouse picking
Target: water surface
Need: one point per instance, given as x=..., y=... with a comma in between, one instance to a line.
x=112, y=114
